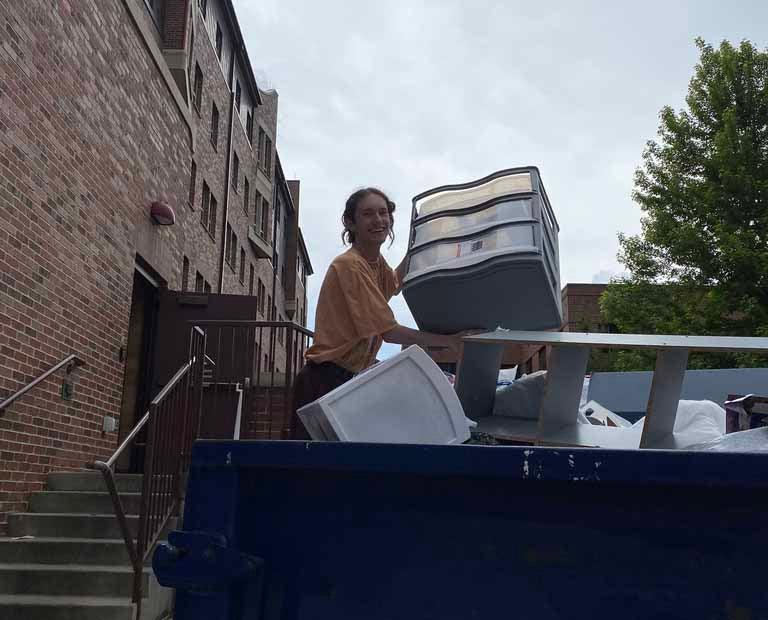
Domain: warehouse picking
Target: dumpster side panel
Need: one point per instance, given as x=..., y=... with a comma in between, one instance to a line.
x=482, y=532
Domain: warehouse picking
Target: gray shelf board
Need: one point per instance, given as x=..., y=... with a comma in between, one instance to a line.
x=624, y=341
x=588, y=435
x=510, y=429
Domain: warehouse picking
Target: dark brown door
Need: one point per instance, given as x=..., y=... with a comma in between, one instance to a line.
x=139, y=356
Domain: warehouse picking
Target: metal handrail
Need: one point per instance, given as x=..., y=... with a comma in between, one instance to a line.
x=247, y=323
x=107, y=470
x=70, y=359
x=239, y=413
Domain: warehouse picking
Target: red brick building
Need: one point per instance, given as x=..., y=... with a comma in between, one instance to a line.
x=107, y=108
x=581, y=312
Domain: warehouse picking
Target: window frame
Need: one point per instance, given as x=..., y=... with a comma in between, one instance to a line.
x=192, y=184
x=197, y=89
x=215, y=126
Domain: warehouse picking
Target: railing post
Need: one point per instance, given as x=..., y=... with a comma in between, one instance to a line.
x=288, y=393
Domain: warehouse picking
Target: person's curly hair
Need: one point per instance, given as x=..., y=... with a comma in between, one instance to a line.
x=350, y=210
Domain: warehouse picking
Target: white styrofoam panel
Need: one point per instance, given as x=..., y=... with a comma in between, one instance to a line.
x=404, y=399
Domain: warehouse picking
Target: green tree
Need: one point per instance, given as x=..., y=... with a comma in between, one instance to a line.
x=700, y=264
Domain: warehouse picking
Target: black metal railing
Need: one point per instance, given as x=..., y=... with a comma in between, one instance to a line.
x=254, y=365
x=70, y=363
x=171, y=425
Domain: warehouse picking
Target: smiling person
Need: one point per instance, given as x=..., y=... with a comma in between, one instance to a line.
x=353, y=316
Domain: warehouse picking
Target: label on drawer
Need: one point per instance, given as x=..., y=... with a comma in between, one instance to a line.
x=469, y=247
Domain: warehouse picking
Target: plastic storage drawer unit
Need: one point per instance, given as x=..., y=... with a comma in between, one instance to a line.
x=488, y=250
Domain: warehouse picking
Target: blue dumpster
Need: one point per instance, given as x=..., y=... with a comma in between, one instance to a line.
x=299, y=531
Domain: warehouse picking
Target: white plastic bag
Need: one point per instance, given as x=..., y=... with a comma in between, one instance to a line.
x=697, y=421
x=522, y=398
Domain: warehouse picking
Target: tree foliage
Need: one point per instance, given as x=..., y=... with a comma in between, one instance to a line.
x=700, y=264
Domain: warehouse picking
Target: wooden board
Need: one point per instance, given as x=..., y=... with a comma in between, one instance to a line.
x=562, y=392
x=588, y=435
x=666, y=386
x=514, y=354
x=476, y=378
x=510, y=429
x=625, y=341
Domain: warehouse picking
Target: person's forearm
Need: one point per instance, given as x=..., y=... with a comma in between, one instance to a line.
x=408, y=336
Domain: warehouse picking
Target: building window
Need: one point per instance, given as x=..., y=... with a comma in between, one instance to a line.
x=242, y=266
x=238, y=95
x=257, y=210
x=260, y=293
x=219, y=41
x=185, y=274
x=204, y=211
x=214, y=125
x=271, y=308
x=246, y=193
x=212, y=218
x=280, y=332
x=199, y=282
x=231, y=251
x=207, y=288
x=203, y=4
x=268, y=158
x=192, y=182
x=235, y=170
x=265, y=219
x=249, y=127
x=197, y=92
x=260, y=157
x=208, y=211
x=228, y=241
x=250, y=281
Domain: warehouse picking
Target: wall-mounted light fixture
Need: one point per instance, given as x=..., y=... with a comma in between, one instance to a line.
x=162, y=214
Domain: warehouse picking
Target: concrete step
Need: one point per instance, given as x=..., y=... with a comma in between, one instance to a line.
x=82, y=502
x=48, y=550
x=92, y=481
x=69, y=580
x=56, y=525
x=68, y=525
x=35, y=607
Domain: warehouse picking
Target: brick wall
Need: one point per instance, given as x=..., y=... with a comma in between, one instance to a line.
x=267, y=416
x=89, y=136
x=175, y=23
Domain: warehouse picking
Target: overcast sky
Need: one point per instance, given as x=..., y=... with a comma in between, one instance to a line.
x=410, y=95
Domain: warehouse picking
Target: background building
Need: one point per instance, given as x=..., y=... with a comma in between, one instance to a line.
x=581, y=313
x=110, y=110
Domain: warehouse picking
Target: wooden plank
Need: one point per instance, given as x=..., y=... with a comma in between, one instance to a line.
x=510, y=429
x=588, y=435
x=666, y=387
x=562, y=391
x=476, y=378
x=514, y=354
x=624, y=341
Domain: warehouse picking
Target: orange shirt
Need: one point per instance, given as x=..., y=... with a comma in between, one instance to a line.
x=353, y=311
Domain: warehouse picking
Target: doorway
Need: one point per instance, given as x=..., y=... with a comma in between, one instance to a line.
x=138, y=371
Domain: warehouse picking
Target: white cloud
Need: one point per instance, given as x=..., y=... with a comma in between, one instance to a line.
x=411, y=94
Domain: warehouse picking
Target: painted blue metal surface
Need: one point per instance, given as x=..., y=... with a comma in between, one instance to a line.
x=626, y=393
x=350, y=531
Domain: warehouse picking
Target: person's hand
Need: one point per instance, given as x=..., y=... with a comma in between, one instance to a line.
x=472, y=332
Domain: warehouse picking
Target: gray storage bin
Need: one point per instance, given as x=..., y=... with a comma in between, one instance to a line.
x=484, y=254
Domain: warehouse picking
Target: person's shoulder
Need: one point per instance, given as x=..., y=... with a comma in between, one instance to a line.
x=348, y=260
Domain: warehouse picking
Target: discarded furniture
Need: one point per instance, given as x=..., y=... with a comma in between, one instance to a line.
x=488, y=250
x=557, y=423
